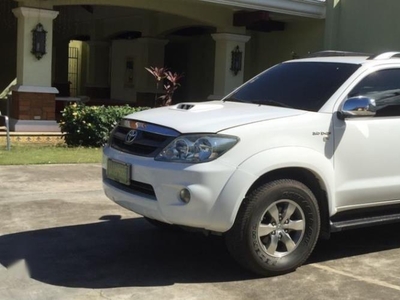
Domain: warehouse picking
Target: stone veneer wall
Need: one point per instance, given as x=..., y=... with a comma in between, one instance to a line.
x=17, y=138
x=32, y=106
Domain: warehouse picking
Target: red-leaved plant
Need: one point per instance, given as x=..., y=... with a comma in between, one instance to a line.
x=172, y=83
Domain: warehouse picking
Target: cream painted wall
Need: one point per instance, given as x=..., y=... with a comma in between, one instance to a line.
x=120, y=50
x=364, y=26
x=145, y=52
x=267, y=49
x=30, y=70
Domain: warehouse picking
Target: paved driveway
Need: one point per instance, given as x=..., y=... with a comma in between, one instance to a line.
x=61, y=238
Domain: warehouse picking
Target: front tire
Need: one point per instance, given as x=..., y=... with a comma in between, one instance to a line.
x=276, y=228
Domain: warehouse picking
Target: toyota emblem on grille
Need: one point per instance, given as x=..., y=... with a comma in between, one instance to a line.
x=131, y=136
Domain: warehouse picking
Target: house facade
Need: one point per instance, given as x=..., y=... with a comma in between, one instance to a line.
x=99, y=48
x=370, y=26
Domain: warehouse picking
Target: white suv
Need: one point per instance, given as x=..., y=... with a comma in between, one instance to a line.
x=308, y=147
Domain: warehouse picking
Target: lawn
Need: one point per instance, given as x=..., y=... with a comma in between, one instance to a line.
x=36, y=154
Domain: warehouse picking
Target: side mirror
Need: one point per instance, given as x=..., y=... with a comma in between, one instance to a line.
x=359, y=106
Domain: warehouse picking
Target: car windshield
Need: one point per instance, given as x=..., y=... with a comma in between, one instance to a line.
x=298, y=85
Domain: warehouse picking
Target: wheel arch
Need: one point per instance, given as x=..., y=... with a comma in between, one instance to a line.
x=305, y=165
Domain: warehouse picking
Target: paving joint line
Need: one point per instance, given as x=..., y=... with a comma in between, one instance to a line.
x=359, y=278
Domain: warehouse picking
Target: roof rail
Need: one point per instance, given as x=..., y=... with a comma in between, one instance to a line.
x=327, y=53
x=385, y=55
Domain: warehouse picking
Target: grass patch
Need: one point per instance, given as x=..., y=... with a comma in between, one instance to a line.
x=36, y=154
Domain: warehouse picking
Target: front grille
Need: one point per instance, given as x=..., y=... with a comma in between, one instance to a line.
x=148, y=139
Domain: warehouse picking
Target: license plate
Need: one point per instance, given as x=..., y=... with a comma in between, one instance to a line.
x=119, y=171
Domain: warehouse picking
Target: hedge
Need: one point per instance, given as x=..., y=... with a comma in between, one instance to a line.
x=90, y=126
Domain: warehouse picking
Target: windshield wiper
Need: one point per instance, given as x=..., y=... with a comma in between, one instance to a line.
x=259, y=102
x=232, y=99
x=271, y=102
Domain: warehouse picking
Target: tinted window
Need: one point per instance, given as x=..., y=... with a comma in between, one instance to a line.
x=384, y=87
x=300, y=85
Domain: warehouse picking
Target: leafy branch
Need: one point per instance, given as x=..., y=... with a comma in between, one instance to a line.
x=170, y=86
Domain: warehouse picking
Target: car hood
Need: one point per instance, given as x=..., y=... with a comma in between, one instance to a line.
x=212, y=116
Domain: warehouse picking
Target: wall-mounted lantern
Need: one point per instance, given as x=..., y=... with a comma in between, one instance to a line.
x=295, y=55
x=236, y=60
x=39, y=41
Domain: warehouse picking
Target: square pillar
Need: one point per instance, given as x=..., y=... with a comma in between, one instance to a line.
x=97, y=83
x=33, y=98
x=225, y=80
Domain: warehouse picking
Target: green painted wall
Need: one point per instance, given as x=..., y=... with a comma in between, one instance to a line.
x=267, y=49
x=363, y=25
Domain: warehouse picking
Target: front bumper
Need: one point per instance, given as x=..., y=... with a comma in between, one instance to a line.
x=207, y=183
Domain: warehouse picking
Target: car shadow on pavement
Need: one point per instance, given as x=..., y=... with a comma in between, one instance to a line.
x=131, y=252
x=120, y=253
x=357, y=242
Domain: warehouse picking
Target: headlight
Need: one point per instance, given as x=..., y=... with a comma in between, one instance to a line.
x=197, y=148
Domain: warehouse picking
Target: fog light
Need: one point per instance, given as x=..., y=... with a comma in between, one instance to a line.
x=184, y=194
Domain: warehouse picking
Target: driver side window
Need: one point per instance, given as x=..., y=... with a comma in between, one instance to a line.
x=384, y=87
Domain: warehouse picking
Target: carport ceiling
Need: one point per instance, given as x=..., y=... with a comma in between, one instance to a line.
x=257, y=21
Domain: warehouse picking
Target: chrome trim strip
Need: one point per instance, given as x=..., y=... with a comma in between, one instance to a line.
x=147, y=127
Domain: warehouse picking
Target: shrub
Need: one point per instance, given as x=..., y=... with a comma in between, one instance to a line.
x=90, y=125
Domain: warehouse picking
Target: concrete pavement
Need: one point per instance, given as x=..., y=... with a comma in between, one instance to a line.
x=61, y=238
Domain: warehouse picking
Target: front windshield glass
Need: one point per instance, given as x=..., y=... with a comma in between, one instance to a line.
x=299, y=85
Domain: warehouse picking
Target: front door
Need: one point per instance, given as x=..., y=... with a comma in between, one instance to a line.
x=367, y=149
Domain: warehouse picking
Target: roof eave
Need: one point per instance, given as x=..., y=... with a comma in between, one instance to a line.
x=304, y=8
